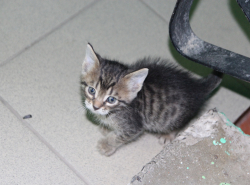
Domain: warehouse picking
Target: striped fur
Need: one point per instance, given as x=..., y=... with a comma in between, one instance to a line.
x=163, y=103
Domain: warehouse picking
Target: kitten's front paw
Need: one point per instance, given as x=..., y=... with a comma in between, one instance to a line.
x=163, y=140
x=167, y=138
x=104, y=131
x=105, y=148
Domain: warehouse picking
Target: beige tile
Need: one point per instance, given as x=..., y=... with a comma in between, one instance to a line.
x=25, y=159
x=22, y=22
x=44, y=82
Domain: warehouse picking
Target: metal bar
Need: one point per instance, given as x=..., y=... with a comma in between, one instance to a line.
x=189, y=45
x=245, y=7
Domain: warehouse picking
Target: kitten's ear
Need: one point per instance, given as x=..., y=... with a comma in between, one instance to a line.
x=135, y=80
x=90, y=61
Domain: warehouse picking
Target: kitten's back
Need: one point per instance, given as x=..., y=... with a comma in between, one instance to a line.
x=170, y=97
x=163, y=73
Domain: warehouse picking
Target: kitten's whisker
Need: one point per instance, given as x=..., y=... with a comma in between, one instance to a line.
x=80, y=108
x=112, y=121
x=76, y=110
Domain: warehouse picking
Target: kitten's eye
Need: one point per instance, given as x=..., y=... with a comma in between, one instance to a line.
x=91, y=90
x=111, y=100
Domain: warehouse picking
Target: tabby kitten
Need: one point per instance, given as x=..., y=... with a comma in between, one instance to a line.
x=149, y=95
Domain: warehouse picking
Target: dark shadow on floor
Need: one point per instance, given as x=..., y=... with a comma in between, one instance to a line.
x=240, y=18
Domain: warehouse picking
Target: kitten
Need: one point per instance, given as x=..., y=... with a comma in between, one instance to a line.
x=149, y=95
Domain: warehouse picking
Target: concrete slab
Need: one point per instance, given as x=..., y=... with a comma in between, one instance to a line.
x=23, y=22
x=211, y=151
x=26, y=160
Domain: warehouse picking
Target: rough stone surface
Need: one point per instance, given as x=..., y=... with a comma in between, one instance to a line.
x=210, y=151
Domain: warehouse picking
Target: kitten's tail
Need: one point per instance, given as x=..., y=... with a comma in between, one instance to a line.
x=212, y=81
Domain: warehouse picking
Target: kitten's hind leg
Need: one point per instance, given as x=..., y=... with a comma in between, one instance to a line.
x=167, y=138
x=108, y=145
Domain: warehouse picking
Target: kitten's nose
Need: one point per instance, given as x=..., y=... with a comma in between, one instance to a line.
x=96, y=108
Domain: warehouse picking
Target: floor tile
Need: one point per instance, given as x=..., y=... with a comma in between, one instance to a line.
x=45, y=83
x=24, y=21
x=161, y=8
x=26, y=160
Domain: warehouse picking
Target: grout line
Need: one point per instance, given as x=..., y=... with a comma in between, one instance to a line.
x=154, y=11
x=48, y=33
x=44, y=141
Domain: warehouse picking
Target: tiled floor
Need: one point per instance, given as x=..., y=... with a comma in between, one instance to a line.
x=42, y=46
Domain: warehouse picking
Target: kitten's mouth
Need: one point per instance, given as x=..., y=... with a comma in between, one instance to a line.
x=98, y=112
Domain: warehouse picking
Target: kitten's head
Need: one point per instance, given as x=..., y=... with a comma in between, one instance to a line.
x=108, y=85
